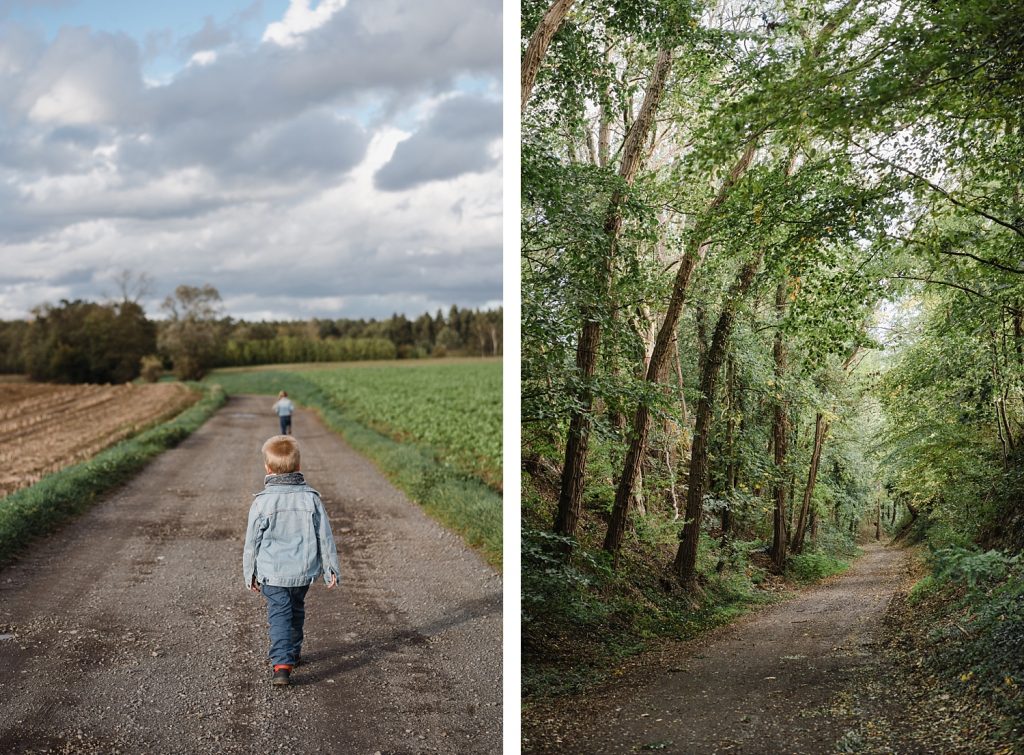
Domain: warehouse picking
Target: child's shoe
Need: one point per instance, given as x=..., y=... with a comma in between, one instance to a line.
x=282, y=674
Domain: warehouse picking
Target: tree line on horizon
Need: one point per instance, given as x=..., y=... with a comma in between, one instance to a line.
x=115, y=341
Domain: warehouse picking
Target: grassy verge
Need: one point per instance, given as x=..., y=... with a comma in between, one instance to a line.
x=459, y=502
x=39, y=509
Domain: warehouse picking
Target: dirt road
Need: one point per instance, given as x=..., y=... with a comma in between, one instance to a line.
x=767, y=684
x=130, y=630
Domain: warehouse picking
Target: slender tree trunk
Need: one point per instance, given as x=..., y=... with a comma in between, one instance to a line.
x=656, y=368
x=730, y=442
x=685, y=565
x=780, y=432
x=537, y=47
x=820, y=431
x=577, y=445
x=730, y=452
x=1006, y=422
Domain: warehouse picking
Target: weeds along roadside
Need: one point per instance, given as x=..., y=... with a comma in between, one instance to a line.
x=40, y=508
x=963, y=630
x=460, y=502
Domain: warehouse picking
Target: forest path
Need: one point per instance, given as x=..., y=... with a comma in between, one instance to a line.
x=768, y=683
x=130, y=629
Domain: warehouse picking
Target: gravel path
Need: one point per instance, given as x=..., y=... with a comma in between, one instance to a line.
x=130, y=630
x=770, y=683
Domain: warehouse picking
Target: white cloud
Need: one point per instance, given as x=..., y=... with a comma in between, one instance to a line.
x=300, y=19
x=203, y=58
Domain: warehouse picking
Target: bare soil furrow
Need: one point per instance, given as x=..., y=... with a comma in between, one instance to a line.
x=41, y=439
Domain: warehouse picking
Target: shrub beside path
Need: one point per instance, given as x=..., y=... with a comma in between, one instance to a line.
x=129, y=630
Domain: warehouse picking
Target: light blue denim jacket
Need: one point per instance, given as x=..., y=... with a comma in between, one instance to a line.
x=288, y=542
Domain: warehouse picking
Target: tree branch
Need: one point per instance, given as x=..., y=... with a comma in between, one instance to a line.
x=959, y=287
x=939, y=190
x=976, y=258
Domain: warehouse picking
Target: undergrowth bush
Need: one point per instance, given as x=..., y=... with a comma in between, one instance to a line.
x=969, y=566
x=976, y=602
x=813, y=565
x=553, y=587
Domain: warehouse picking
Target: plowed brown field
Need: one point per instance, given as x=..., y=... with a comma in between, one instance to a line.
x=44, y=428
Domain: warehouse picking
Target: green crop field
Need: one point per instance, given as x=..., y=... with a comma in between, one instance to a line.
x=454, y=410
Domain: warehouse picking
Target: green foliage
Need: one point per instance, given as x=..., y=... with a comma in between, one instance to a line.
x=975, y=602
x=813, y=566
x=553, y=587
x=414, y=459
x=191, y=337
x=85, y=342
x=34, y=511
x=971, y=567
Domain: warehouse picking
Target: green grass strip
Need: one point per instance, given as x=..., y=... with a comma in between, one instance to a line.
x=461, y=503
x=39, y=509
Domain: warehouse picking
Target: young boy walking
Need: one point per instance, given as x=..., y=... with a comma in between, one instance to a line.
x=284, y=408
x=288, y=544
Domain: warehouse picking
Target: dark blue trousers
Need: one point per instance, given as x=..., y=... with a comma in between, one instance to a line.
x=286, y=612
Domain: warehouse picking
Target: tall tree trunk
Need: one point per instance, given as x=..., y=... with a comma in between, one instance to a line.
x=780, y=432
x=576, y=448
x=685, y=564
x=538, y=46
x=732, y=467
x=656, y=368
x=820, y=431
x=730, y=453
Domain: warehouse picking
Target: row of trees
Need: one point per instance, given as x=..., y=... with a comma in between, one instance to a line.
x=81, y=341
x=718, y=201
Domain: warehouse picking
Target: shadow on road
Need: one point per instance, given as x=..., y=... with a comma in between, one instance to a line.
x=344, y=657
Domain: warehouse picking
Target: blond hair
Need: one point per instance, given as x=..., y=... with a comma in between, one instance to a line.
x=281, y=454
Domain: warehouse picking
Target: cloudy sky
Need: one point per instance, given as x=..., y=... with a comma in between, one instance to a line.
x=309, y=158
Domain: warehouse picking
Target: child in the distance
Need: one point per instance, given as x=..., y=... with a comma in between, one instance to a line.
x=288, y=544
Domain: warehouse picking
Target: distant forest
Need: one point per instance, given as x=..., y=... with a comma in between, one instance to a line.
x=83, y=341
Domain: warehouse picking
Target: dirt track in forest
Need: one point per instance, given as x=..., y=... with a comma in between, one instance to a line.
x=130, y=630
x=768, y=683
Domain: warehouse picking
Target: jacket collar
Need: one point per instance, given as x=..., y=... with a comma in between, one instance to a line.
x=288, y=478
